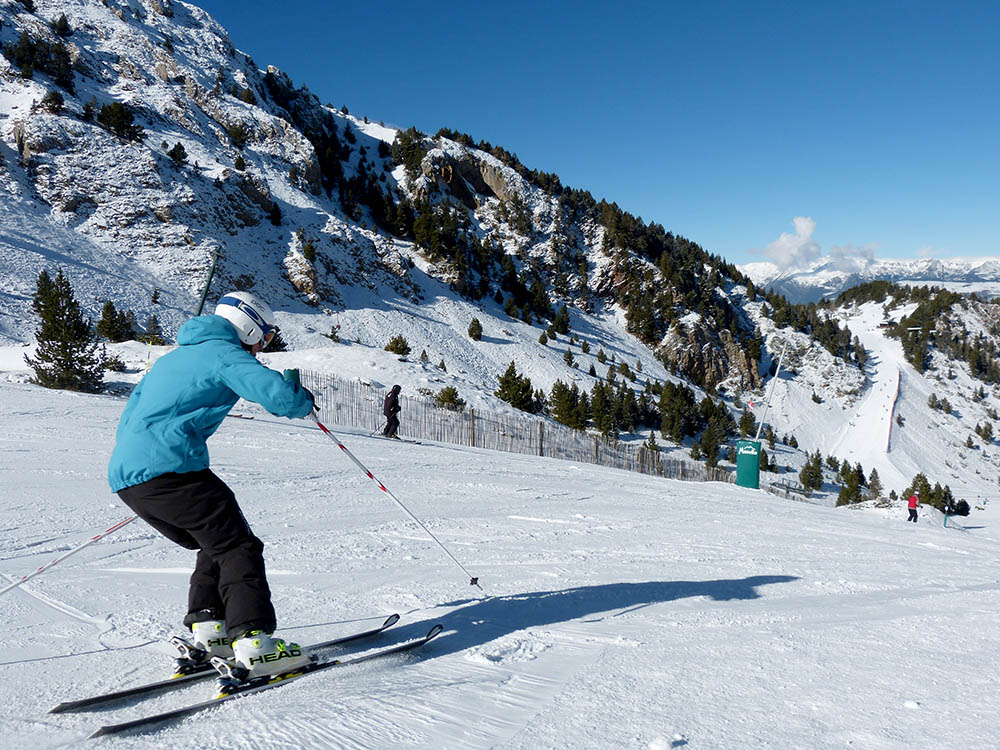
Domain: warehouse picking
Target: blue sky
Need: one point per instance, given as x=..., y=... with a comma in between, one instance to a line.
x=723, y=121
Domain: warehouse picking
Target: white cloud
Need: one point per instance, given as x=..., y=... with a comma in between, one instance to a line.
x=850, y=258
x=797, y=250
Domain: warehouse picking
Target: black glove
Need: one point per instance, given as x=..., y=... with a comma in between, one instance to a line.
x=312, y=397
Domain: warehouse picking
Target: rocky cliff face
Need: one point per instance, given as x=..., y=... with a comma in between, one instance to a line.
x=711, y=357
x=267, y=171
x=180, y=78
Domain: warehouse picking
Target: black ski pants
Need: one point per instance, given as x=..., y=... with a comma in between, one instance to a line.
x=198, y=511
x=913, y=515
x=391, y=425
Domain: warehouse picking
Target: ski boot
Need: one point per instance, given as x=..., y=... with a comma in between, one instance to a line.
x=209, y=640
x=261, y=653
x=257, y=656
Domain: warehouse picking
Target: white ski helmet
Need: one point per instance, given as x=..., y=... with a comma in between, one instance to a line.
x=250, y=316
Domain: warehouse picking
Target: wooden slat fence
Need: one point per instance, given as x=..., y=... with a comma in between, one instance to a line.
x=359, y=405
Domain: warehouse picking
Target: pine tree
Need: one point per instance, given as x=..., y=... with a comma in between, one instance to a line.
x=649, y=451
x=178, y=153
x=153, y=334
x=811, y=476
x=117, y=118
x=274, y=215
x=564, y=403
x=850, y=492
x=116, y=325
x=398, y=345
x=515, y=389
x=67, y=355
x=875, y=486
x=476, y=330
x=448, y=398
x=61, y=26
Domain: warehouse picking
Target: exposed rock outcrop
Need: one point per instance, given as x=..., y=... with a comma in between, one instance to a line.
x=710, y=357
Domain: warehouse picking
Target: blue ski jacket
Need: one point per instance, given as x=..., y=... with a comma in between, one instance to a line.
x=184, y=398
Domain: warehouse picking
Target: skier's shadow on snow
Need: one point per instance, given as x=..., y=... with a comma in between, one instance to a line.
x=478, y=621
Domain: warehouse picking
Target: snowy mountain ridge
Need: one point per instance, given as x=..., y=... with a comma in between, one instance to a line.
x=129, y=221
x=827, y=278
x=621, y=610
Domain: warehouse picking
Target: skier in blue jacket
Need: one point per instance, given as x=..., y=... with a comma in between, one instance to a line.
x=160, y=469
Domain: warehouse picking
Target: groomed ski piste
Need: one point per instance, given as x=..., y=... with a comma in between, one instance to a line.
x=620, y=611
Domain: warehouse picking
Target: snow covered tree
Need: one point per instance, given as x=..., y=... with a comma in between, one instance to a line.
x=67, y=354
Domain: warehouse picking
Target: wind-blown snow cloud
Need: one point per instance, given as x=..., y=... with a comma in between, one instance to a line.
x=851, y=258
x=797, y=250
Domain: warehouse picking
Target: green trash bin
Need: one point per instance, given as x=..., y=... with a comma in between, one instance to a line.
x=748, y=463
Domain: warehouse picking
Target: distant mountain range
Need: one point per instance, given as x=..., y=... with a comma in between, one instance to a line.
x=829, y=277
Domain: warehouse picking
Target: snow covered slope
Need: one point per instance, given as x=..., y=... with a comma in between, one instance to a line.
x=621, y=610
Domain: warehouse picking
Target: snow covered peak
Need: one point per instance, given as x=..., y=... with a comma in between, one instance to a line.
x=828, y=277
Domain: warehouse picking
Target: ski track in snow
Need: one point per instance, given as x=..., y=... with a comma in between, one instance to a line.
x=622, y=610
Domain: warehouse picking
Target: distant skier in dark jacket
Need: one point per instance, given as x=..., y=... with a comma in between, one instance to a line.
x=390, y=408
x=160, y=469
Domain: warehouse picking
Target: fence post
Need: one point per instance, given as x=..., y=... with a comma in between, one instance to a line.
x=472, y=426
x=541, y=438
x=596, y=457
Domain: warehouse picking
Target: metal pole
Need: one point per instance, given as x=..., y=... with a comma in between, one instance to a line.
x=208, y=281
x=73, y=551
x=473, y=580
x=767, y=401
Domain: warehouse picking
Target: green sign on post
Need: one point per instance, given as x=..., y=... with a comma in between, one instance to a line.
x=748, y=463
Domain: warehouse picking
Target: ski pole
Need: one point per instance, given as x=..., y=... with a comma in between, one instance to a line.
x=473, y=580
x=73, y=551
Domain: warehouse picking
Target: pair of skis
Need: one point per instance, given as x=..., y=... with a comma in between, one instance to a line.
x=254, y=685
